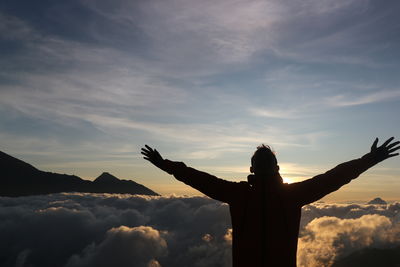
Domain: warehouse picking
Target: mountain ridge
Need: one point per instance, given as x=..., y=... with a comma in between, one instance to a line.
x=18, y=178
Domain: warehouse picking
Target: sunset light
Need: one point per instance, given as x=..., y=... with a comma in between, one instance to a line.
x=287, y=180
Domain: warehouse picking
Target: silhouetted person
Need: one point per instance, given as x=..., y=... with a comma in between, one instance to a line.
x=265, y=211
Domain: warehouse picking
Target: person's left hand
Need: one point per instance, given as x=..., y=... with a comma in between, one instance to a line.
x=384, y=151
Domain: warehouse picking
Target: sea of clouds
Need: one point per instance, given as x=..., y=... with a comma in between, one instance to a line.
x=82, y=229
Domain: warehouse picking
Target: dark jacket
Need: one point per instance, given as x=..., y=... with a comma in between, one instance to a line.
x=266, y=212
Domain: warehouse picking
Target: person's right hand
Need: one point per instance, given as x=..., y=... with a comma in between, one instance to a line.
x=384, y=151
x=153, y=156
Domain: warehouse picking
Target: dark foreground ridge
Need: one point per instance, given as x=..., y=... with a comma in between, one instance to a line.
x=18, y=178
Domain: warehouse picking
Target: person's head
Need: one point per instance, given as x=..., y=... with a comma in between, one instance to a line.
x=264, y=161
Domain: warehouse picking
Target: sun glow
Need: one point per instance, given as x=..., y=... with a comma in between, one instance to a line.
x=287, y=180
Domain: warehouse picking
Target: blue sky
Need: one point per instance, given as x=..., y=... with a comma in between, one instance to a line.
x=85, y=84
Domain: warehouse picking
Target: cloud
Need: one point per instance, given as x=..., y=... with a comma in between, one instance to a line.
x=128, y=68
x=124, y=246
x=369, y=98
x=94, y=229
x=220, y=32
x=327, y=238
x=105, y=91
x=330, y=232
x=347, y=211
x=209, y=35
x=279, y=114
x=73, y=229
x=13, y=28
x=204, y=33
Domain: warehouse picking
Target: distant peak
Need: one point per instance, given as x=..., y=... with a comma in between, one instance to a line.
x=106, y=177
x=378, y=201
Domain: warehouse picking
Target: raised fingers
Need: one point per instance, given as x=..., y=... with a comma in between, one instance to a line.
x=387, y=141
x=145, y=151
x=148, y=151
x=393, y=144
x=393, y=155
x=394, y=149
x=374, y=145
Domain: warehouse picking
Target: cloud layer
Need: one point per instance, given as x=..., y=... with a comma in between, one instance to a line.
x=77, y=230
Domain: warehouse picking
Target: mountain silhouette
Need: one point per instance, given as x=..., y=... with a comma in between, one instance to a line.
x=18, y=178
x=378, y=201
x=105, y=177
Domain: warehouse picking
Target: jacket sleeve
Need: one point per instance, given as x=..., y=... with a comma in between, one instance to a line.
x=207, y=184
x=313, y=189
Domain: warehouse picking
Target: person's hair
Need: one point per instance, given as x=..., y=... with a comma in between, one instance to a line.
x=263, y=156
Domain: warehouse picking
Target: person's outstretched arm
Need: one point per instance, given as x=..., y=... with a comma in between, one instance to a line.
x=209, y=185
x=315, y=188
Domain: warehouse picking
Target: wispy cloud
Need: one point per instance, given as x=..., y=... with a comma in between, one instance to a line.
x=374, y=97
x=271, y=113
x=208, y=135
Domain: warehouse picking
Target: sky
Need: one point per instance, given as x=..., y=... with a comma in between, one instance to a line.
x=85, y=84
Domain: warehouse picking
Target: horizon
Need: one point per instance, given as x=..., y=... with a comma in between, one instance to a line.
x=85, y=85
x=195, y=193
